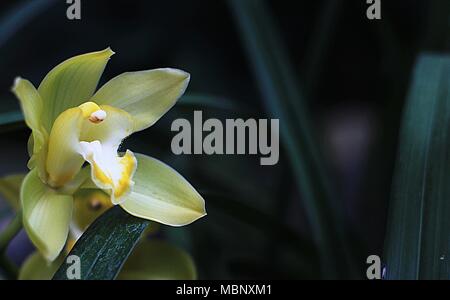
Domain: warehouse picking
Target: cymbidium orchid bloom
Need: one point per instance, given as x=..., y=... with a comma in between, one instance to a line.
x=76, y=134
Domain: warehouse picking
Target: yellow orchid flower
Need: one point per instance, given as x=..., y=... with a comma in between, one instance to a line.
x=73, y=125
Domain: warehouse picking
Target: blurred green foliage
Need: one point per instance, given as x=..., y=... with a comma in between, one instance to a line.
x=417, y=243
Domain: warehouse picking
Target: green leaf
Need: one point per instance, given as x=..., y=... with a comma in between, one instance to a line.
x=158, y=260
x=418, y=235
x=106, y=245
x=284, y=100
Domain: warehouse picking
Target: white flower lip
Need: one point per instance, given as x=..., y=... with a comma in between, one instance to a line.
x=98, y=116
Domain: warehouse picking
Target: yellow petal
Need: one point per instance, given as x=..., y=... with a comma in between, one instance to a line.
x=109, y=171
x=63, y=159
x=161, y=194
x=99, y=146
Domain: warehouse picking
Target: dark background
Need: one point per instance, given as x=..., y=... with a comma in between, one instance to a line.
x=353, y=75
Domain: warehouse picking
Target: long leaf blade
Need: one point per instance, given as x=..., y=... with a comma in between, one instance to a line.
x=418, y=237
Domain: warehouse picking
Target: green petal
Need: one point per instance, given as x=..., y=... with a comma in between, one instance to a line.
x=36, y=267
x=71, y=83
x=32, y=107
x=46, y=215
x=146, y=95
x=161, y=194
x=10, y=189
x=157, y=260
x=30, y=101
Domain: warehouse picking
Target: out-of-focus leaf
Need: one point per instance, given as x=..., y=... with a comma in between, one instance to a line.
x=10, y=189
x=105, y=245
x=37, y=268
x=418, y=235
x=208, y=101
x=321, y=39
x=284, y=100
x=436, y=35
x=157, y=260
x=9, y=118
x=19, y=16
x=248, y=268
x=282, y=234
